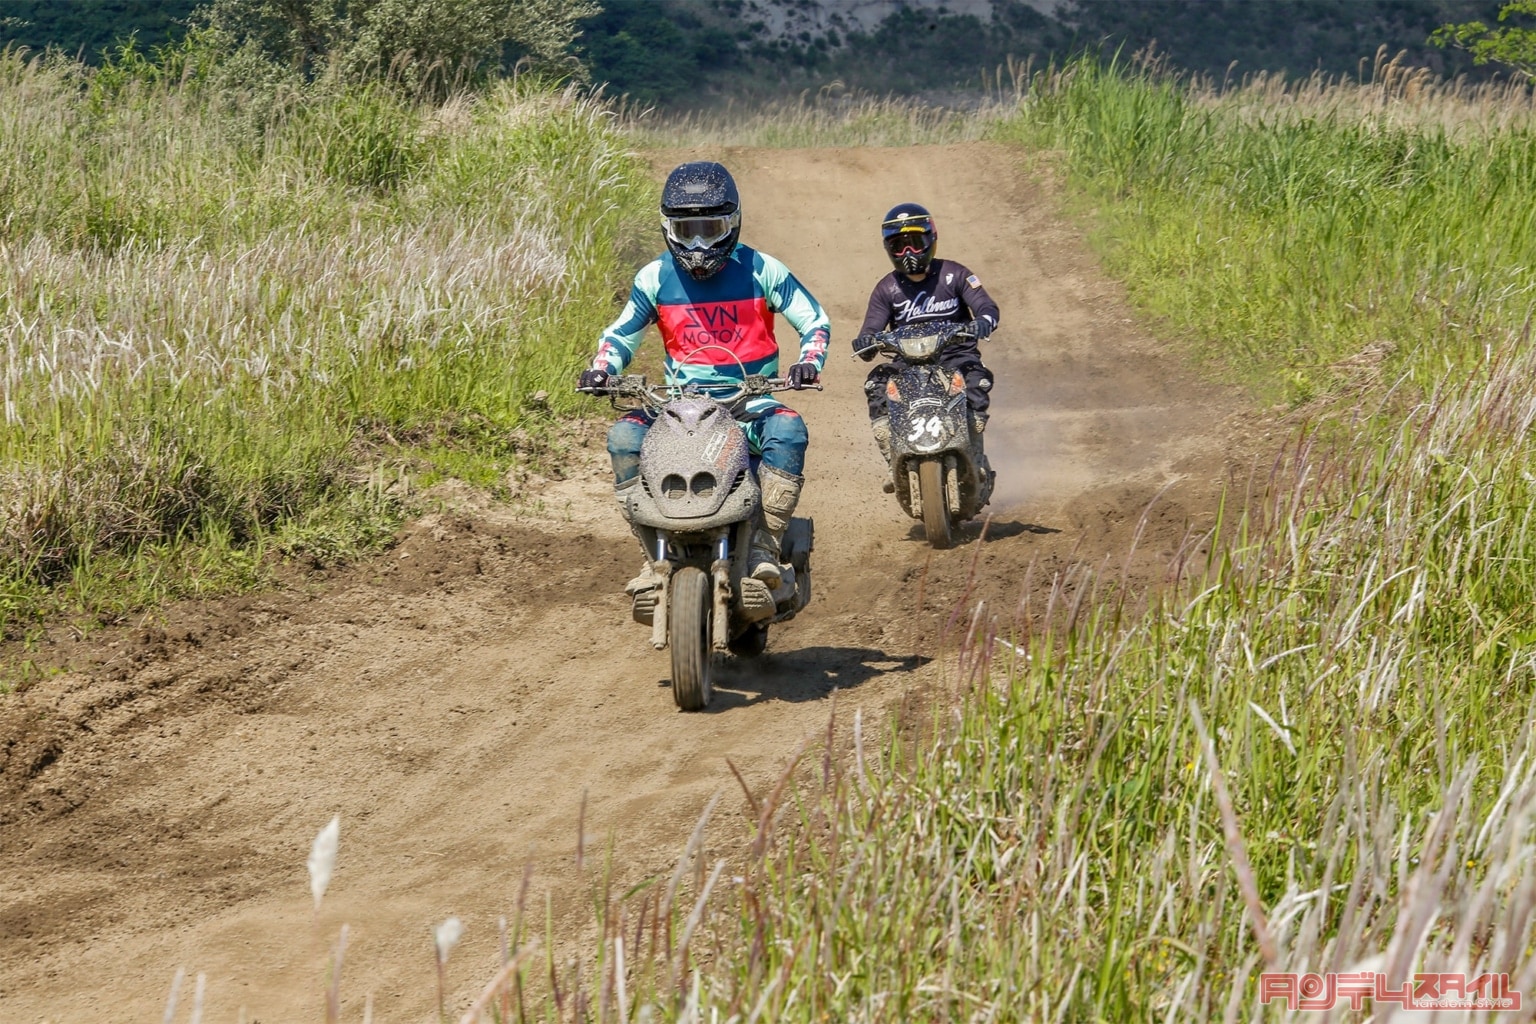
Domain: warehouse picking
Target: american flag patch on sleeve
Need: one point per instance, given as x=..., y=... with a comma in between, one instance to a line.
x=972, y=281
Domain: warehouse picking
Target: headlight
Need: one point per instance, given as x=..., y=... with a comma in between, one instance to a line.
x=920, y=347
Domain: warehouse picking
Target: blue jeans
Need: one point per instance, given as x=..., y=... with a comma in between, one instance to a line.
x=775, y=434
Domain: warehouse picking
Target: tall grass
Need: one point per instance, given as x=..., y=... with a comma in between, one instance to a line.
x=217, y=325
x=1288, y=228
x=833, y=116
x=1359, y=664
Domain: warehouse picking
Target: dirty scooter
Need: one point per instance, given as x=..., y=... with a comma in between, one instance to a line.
x=695, y=511
x=939, y=469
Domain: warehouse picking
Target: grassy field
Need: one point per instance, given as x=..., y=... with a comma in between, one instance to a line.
x=831, y=117
x=235, y=328
x=1292, y=229
x=1313, y=755
x=227, y=336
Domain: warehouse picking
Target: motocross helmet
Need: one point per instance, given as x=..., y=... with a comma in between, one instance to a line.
x=910, y=238
x=700, y=217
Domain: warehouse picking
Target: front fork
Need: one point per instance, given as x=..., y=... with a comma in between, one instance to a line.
x=720, y=570
x=951, y=477
x=662, y=565
x=720, y=574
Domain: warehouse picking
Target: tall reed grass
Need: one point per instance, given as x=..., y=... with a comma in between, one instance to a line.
x=216, y=323
x=1290, y=227
x=832, y=116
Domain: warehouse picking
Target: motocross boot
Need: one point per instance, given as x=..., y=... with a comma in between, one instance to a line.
x=988, y=474
x=781, y=493
x=882, y=429
x=644, y=588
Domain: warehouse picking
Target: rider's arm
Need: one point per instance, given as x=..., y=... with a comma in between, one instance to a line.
x=788, y=296
x=977, y=300
x=880, y=313
x=623, y=336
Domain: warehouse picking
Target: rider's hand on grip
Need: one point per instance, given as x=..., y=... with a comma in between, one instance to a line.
x=980, y=328
x=802, y=375
x=864, y=347
x=592, y=380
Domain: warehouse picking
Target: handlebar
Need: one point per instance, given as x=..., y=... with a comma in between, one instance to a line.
x=889, y=342
x=636, y=386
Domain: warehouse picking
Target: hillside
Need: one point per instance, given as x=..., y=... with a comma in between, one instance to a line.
x=691, y=53
x=668, y=52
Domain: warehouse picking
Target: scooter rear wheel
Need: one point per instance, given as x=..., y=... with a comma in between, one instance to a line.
x=751, y=643
x=930, y=480
x=688, y=636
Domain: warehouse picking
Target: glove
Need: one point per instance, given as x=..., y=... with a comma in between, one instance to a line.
x=592, y=379
x=864, y=347
x=802, y=375
x=981, y=327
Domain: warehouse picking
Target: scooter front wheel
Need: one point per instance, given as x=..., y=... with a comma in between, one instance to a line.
x=688, y=635
x=930, y=481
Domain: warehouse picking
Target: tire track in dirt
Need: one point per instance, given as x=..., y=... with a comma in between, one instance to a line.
x=454, y=698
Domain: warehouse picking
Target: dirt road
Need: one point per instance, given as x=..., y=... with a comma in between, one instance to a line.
x=453, y=699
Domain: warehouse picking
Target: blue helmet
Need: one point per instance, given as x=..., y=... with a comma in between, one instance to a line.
x=700, y=216
x=910, y=238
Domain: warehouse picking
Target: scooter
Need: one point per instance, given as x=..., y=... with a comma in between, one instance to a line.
x=938, y=465
x=695, y=510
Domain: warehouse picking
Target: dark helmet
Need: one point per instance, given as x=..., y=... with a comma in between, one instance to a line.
x=700, y=217
x=910, y=238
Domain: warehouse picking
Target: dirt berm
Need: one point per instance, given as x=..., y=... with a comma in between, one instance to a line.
x=453, y=698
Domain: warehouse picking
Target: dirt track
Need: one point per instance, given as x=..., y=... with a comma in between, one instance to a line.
x=452, y=699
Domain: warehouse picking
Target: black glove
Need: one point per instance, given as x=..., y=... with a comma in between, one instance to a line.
x=592, y=379
x=864, y=347
x=981, y=327
x=803, y=375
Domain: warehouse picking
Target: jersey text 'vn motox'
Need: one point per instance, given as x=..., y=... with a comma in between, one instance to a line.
x=708, y=325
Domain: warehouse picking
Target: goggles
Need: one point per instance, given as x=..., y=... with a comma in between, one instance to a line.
x=700, y=232
x=903, y=241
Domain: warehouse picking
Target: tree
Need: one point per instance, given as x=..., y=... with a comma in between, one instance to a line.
x=428, y=45
x=1510, y=45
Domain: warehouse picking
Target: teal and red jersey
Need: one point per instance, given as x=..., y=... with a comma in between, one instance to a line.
x=710, y=325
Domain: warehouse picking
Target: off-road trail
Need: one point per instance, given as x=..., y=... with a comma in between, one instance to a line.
x=454, y=698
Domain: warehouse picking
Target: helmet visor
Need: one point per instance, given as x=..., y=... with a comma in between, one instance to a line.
x=900, y=241
x=700, y=232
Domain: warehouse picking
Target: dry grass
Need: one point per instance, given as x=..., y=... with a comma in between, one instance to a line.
x=204, y=319
x=831, y=117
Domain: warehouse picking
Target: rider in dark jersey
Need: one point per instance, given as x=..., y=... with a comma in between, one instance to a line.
x=923, y=289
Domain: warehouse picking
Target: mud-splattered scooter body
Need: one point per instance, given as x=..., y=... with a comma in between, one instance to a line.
x=938, y=465
x=695, y=511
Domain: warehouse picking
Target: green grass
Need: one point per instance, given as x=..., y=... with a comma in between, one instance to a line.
x=1290, y=230
x=222, y=321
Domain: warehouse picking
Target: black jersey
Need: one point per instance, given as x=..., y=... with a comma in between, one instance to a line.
x=949, y=294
